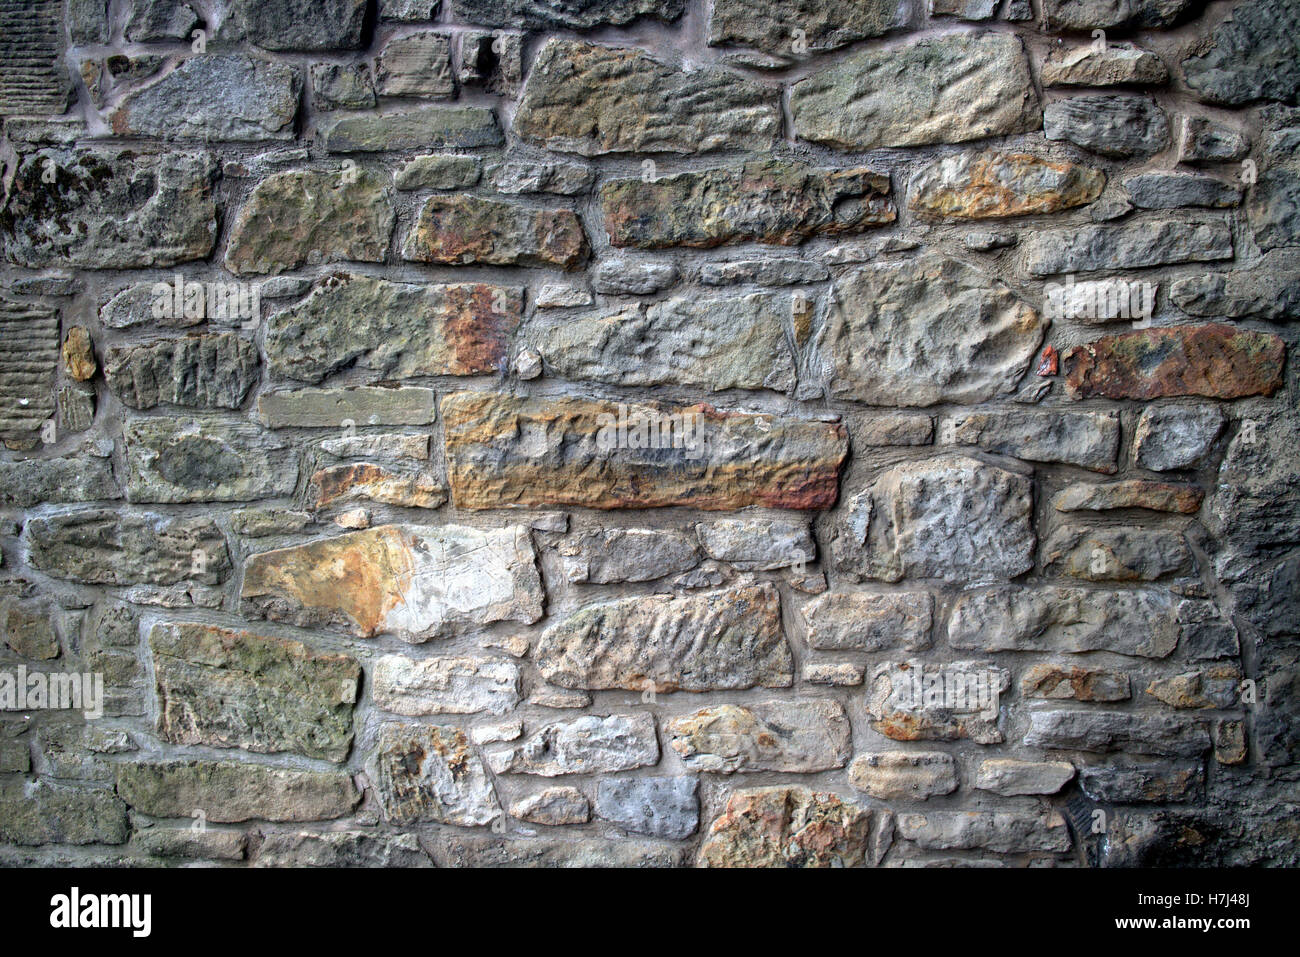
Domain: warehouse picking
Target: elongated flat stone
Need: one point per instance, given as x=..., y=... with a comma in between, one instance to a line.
x=227, y=792
x=1104, y=14
x=768, y=201
x=1116, y=65
x=1003, y=832
x=924, y=331
x=375, y=483
x=1010, y=778
x=993, y=184
x=504, y=451
x=463, y=229
x=803, y=737
x=592, y=744
x=431, y=773
x=866, y=621
x=394, y=329
x=719, y=640
x=576, y=96
x=909, y=775
x=1079, y=730
x=1216, y=360
x=205, y=371
x=1087, y=439
x=825, y=25
x=945, y=89
x=434, y=128
x=337, y=408
x=1133, y=493
x=1160, y=242
x=570, y=14
x=236, y=689
x=445, y=685
x=193, y=460
x=412, y=581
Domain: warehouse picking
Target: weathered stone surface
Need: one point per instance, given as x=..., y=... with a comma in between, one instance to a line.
x=1176, y=436
x=466, y=229
x=160, y=20
x=1270, y=292
x=592, y=744
x=802, y=737
x=1105, y=14
x=758, y=544
x=1145, y=621
x=658, y=806
x=1171, y=190
x=866, y=621
x=991, y=184
x=42, y=813
x=228, y=792
x=236, y=689
x=628, y=555
x=427, y=772
x=1218, y=686
x=445, y=685
x=204, y=371
x=416, y=582
x=183, y=843
x=394, y=329
x=1116, y=554
x=341, y=849
x=28, y=630
x=567, y=451
x=951, y=517
x=1087, y=439
x=924, y=331
x=1003, y=832
x=1071, y=682
x=1117, y=64
x=29, y=355
x=70, y=479
x=1206, y=141
x=439, y=171
x=1142, y=783
x=1253, y=55
x=214, y=98
x=33, y=79
x=765, y=272
x=1116, y=731
x=577, y=95
x=1160, y=242
x=302, y=25
x=573, y=14
x=336, y=408
x=944, y=89
x=460, y=127
x=1112, y=125
x=620, y=277
x=905, y=775
x=397, y=445
x=1132, y=493
x=825, y=25
x=173, y=460
x=713, y=641
x=260, y=522
x=415, y=64
x=375, y=483
x=522, y=176
x=713, y=343
x=338, y=86
x=311, y=215
x=109, y=209
x=769, y=201
x=101, y=547
x=912, y=701
x=553, y=806
x=455, y=850
x=1216, y=360
x=79, y=354
x=1010, y=778
x=788, y=827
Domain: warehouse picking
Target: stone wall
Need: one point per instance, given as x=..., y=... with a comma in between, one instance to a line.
x=759, y=432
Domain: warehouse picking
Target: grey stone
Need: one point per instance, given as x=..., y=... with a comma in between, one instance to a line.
x=904, y=775
x=1117, y=64
x=206, y=371
x=228, y=792
x=1003, y=832
x=1253, y=55
x=439, y=171
x=383, y=444
x=1117, y=731
x=1116, y=554
x=299, y=25
x=134, y=306
x=337, y=849
x=1176, y=436
x=570, y=14
x=764, y=272
x=553, y=806
x=341, y=86
x=334, y=408
x=455, y=850
x=460, y=127
x=891, y=429
x=260, y=522
x=431, y=773
x=799, y=737
x=1205, y=141
x=1009, y=777
x=43, y=813
x=591, y=744
x=660, y=807
x=758, y=544
x=1152, y=242
x=628, y=555
x=521, y=176
x=445, y=685
x=187, y=844
x=616, y=277
x=193, y=460
x=160, y=20
x=825, y=25
x=43, y=481
x=33, y=79
x=1112, y=125
x=916, y=701
x=492, y=61
x=1270, y=291
x=1170, y=190
x=1161, y=782
x=1105, y=14
x=409, y=10
x=945, y=89
x=87, y=20
x=415, y=64
x=951, y=517
x=1087, y=439
x=868, y=621
x=921, y=332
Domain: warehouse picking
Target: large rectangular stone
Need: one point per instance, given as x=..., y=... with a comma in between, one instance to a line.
x=504, y=451
x=195, y=460
x=227, y=792
x=204, y=371
x=445, y=685
x=1087, y=439
x=462, y=127
x=795, y=736
x=592, y=744
x=1133, y=245
x=347, y=407
x=1117, y=731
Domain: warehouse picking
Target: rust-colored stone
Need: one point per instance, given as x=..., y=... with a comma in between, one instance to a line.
x=466, y=229
x=788, y=827
x=78, y=354
x=990, y=184
x=1215, y=360
x=363, y=480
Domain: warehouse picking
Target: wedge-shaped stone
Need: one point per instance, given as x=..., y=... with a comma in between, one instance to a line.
x=1217, y=360
x=825, y=24
x=945, y=89
x=228, y=792
x=991, y=184
x=1087, y=439
x=461, y=127
x=589, y=99
x=592, y=744
x=504, y=451
x=924, y=331
x=1117, y=731
x=445, y=685
x=951, y=517
x=708, y=642
x=205, y=371
x=461, y=229
x=312, y=215
x=109, y=209
x=427, y=772
x=412, y=581
x=916, y=701
x=767, y=201
x=236, y=689
x=1003, y=832
x=1010, y=778
x=717, y=343
x=866, y=621
x=194, y=460
x=1136, y=245
x=796, y=736
x=394, y=330
x=789, y=827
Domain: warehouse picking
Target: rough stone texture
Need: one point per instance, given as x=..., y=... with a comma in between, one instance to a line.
x=946, y=89
x=913, y=701
x=427, y=772
x=659, y=807
x=228, y=792
x=341, y=849
x=1010, y=778
x=922, y=332
x=29, y=350
x=412, y=581
x=461, y=127
x=553, y=806
x=1114, y=730
x=951, y=518
x=866, y=621
x=417, y=64
x=825, y=25
x=467, y=229
x=194, y=460
x=1142, y=783
x=1176, y=436
x=1135, y=493
x=1087, y=439
x=757, y=544
x=1172, y=190
x=576, y=96
x=1105, y=14
x=42, y=813
x=1116, y=65
x=738, y=460
x=714, y=641
x=904, y=775
x=1115, y=554
x=592, y=744
x=365, y=481
x=788, y=827
x=1006, y=832
x=775, y=201
x=628, y=555
x=439, y=171
x=1271, y=293
x=990, y=184
x=767, y=736
x=225, y=688
x=573, y=14
x=1250, y=56
x=346, y=407
x=300, y=25
x=445, y=685
x=1118, y=125
x=1162, y=242
x=204, y=371
x=31, y=482
x=1058, y=682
